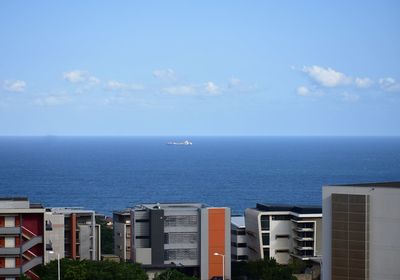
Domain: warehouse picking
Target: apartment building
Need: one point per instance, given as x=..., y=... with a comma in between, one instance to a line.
x=238, y=239
x=283, y=232
x=21, y=238
x=122, y=234
x=361, y=231
x=72, y=233
x=189, y=236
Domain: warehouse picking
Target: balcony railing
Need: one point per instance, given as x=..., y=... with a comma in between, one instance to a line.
x=10, y=230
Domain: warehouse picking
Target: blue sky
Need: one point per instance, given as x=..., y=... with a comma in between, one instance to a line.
x=200, y=68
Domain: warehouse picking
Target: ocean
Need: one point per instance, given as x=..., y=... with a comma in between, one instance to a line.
x=112, y=173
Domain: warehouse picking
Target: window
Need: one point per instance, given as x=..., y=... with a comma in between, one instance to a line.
x=264, y=222
x=281, y=236
x=180, y=221
x=238, y=245
x=9, y=242
x=282, y=251
x=9, y=221
x=180, y=254
x=266, y=253
x=281, y=217
x=9, y=263
x=180, y=238
x=265, y=238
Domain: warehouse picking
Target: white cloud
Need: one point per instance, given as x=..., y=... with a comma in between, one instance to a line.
x=52, y=100
x=363, y=82
x=14, y=86
x=234, y=82
x=165, y=74
x=389, y=84
x=326, y=77
x=79, y=76
x=303, y=91
x=212, y=88
x=349, y=97
x=181, y=90
x=115, y=85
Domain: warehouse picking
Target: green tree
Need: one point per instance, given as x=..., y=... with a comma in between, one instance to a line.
x=267, y=269
x=91, y=270
x=107, y=240
x=173, y=274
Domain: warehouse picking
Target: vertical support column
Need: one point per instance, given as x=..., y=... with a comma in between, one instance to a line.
x=94, y=240
x=73, y=236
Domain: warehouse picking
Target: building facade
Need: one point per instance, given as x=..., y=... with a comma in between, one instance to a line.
x=190, y=237
x=21, y=238
x=361, y=231
x=283, y=232
x=72, y=233
x=238, y=239
x=122, y=234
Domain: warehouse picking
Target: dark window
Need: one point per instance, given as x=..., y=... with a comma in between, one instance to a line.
x=266, y=253
x=265, y=238
x=143, y=237
x=281, y=217
x=142, y=220
x=264, y=222
x=281, y=236
x=238, y=245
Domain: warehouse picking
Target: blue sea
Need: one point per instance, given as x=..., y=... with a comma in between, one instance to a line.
x=110, y=173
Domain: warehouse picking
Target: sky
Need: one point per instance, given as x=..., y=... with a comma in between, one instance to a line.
x=130, y=68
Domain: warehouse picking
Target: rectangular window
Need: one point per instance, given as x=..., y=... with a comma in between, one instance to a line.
x=266, y=253
x=264, y=222
x=9, y=221
x=9, y=263
x=9, y=242
x=265, y=238
x=281, y=217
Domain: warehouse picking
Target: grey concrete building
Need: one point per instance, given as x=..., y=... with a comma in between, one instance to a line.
x=238, y=239
x=284, y=232
x=72, y=233
x=190, y=236
x=122, y=234
x=361, y=231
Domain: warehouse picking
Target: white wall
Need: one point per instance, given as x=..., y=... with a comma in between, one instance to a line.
x=384, y=230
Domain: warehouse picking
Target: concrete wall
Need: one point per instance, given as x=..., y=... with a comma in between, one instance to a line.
x=384, y=229
x=55, y=237
x=280, y=228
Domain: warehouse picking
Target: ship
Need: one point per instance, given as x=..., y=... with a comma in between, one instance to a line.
x=184, y=143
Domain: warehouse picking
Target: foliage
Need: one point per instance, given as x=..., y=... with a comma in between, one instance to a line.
x=298, y=266
x=88, y=270
x=267, y=269
x=107, y=239
x=173, y=274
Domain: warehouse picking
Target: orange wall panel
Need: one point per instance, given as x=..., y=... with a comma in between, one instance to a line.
x=216, y=241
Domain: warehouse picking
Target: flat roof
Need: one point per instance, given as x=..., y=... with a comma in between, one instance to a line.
x=13, y=199
x=171, y=206
x=238, y=221
x=301, y=209
x=377, y=184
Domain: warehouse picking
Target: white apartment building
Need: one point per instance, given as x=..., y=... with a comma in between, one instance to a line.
x=283, y=232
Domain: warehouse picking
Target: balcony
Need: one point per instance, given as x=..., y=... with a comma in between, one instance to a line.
x=10, y=271
x=303, y=229
x=299, y=238
x=304, y=248
x=10, y=230
x=10, y=251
